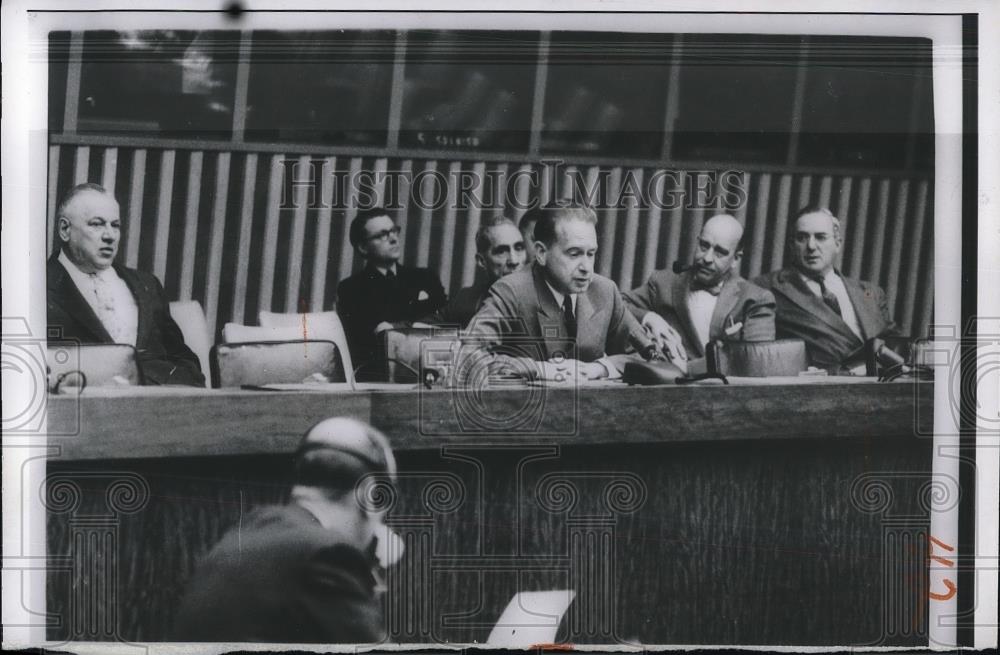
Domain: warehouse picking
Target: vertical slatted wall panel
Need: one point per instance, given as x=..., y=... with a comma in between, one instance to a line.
x=53, y=198
x=217, y=243
x=887, y=222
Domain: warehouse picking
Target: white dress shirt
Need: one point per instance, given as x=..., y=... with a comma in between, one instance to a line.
x=613, y=372
x=701, y=305
x=835, y=285
x=109, y=297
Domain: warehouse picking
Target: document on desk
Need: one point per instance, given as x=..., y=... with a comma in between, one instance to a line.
x=531, y=618
x=330, y=387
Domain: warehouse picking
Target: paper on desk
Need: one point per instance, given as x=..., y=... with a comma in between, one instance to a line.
x=531, y=618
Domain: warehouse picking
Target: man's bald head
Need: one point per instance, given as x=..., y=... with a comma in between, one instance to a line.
x=337, y=452
x=720, y=248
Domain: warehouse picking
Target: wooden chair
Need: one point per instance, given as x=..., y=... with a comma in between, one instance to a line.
x=190, y=318
x=99, y=362
x=274, y=362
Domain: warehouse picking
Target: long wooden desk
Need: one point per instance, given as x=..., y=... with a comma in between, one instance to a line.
x=757, y=513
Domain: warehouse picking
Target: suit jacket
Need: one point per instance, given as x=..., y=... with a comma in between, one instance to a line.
x=830, y=343
x=521, y=317
x=740, y=301
x=280, y=576
x=161, y=353
x=368, y=298
x=462, y=306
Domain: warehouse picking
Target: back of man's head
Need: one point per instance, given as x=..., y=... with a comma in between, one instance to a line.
x=337, y=453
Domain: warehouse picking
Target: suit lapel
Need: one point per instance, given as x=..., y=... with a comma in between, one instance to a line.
x=62, y=291
x=679, y=292
x=727, y=299
x=869, y=322
x=138, y=291
x=791, y=284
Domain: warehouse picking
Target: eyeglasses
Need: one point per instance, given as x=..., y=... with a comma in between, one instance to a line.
x=385, y=234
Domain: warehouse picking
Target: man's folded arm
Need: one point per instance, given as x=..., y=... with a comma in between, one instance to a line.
x=759, y=318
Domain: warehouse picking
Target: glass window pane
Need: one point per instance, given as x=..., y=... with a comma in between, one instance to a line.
x=861, y=100
x=58, y=67
x=736, y=97
x=469, y=89
x=606, y=93
x=159, y=82
x=330, y=87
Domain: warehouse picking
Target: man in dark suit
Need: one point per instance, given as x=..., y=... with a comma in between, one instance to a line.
x=500, y=251
x=833, y=314
x=305, y=571
x=559, y=318
x=384, y=294
x=92, y=300
x=709, y=301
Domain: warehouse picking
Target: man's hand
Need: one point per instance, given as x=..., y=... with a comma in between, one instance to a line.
x=666, y=337
x=562, y=370
x=593, y=371
x=382, y=327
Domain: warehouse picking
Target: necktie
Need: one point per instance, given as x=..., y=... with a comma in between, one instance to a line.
x=569, y=316
x=106, y=308
x=828, y=297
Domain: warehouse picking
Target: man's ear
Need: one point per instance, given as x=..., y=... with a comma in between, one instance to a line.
x=737, y=258
x=64, y=228
x=480, y=261
x=541, y=251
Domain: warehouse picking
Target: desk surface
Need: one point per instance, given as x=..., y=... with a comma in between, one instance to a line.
x=145, y=422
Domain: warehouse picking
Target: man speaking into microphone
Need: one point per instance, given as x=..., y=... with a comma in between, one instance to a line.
x=688, y=307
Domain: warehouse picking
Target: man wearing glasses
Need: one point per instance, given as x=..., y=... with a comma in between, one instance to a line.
x=384, y=294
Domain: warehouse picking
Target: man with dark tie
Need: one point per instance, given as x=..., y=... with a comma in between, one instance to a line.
x=500, y=251
x=833, y=314
x=709, y=301
x=307, y=571
x=92, y=300
x=559, y=318
x=384, y=294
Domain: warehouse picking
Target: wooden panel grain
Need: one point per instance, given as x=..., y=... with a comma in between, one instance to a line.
x=269, y=256
x=243, y=241
x=109, y=169
x=216, y=243
x=756, y=245
x=608, y=220
x=191, y=210
x=676, y=222
x=857, y=228
x=450, y=219
x=897, y=236
x=164, y=206
x=293, y=276
x=53, y=198
x=652, y=236
x=428, y=192
x=133, y=229
x=321, y=260
x=346, y=261
x=781, y=215
x=873, y=257
x=914, y=265
x=629, y=243
x=81, y=169
x=472, y=224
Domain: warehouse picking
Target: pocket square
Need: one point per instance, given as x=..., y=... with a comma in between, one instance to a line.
x=422, y=295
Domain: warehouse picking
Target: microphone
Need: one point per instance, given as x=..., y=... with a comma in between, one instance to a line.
x=681, y=268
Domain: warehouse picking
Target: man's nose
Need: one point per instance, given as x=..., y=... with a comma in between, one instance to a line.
x=811, y=243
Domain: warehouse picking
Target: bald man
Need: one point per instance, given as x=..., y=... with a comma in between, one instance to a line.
x=708, y=302
x=92, y=300
x=306, y=571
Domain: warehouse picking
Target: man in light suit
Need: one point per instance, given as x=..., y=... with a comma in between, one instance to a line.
x=833, y=314
x=709, y=301
x=93, y=301
x=558, y=318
